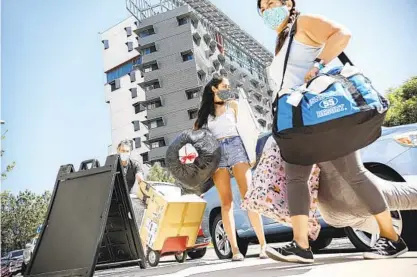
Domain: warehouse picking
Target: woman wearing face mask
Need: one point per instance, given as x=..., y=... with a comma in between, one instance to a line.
x=218, y=113
x=317, y=42
x=131, y=168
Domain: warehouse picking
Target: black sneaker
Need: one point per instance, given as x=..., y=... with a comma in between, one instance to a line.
x=291, y=252
x=385, y=249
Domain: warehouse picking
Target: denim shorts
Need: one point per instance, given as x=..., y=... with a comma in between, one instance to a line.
x=233, y=152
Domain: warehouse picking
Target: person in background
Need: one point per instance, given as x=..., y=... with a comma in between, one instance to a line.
x=218, y=113
x=317, y=42
x=131, y=168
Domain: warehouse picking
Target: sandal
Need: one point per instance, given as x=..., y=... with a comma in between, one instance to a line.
x=238, y=258
x=262, y=254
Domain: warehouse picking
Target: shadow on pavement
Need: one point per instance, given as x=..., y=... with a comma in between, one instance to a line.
x=283, y=269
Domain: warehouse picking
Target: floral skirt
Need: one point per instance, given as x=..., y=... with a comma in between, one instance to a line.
x=268, y=192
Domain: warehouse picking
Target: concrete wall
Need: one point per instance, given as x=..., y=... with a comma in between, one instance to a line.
x=120, y=101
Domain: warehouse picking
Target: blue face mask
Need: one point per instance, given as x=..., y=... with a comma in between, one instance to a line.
x=274, y=17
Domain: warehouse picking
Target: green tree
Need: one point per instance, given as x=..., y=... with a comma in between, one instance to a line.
x=9, y=167
x=21, y=215
x=158, y=174
x=403, y=101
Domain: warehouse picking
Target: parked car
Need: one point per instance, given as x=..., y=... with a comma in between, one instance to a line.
x=27, y=253
x=15, y=259
x=393, y=157
x=5, y=267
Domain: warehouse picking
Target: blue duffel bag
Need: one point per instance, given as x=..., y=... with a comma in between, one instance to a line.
x=329, y=117
x=334, y=114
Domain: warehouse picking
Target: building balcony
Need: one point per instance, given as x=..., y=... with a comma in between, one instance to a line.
x=169, y=129
x=157, y=153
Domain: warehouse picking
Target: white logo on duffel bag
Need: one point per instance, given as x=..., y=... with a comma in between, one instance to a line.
x=332, y=110
x=328, y=103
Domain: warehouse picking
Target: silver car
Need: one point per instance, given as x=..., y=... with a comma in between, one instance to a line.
x=393, y=157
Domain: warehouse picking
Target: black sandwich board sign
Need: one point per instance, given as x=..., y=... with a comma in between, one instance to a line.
x=90, y=223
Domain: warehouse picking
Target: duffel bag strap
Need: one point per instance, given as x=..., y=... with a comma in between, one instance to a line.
x=344, y=59
x=291, y=39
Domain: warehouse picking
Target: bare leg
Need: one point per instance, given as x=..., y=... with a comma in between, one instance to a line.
x=243, y=176
x=221, y=179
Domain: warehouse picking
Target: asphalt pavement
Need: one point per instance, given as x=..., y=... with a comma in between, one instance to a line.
x=339, y=259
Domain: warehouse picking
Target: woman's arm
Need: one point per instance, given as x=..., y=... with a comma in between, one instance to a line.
x=234, y=105
x=322, y=31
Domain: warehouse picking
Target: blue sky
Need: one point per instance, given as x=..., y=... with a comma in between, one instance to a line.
x=52, y=71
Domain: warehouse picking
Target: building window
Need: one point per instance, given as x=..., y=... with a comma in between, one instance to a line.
x=105, y=44
x=147, y=32
x=259, y=98
x=136, y=125
x=152, y=86
x=254, y=84
x=182, y=20
x=145, y=157
x=132, y=76
x=192, y=94
x=156, y=123
x=150, y=67
x=138, y=142
x=197, y=39
x=161, y=162
x=187, y=56
x=223, y=72
x=138, y=107
x=128, y=31
x=148, y=50
x=154, y=104
x=129, y=46
x=115, y=85
x=158, y=143
x=192, y=114
x=202, y=76
x=262, y=123
x=258, y=109
x=123, y=69
x=134, y=92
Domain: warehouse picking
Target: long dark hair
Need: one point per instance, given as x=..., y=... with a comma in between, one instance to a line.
x=294, y=13
x=207, y=102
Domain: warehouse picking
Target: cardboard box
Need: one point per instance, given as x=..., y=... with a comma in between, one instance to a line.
x=171, y=216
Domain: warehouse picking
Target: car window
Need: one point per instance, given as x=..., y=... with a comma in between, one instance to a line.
x=17, y=253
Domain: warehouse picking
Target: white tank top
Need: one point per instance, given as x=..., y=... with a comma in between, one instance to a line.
x=224, y=125
x=300, y=61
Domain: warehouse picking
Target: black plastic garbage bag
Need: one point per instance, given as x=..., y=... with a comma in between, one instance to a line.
x=193, y=177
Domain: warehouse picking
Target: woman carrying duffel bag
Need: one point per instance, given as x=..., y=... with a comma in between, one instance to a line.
x=305, y=44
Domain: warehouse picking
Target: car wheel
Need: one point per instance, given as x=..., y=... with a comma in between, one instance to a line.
x=24, y=266
x=197, y=254
x=320, y=243
x=221, y=243
x=364, y=241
